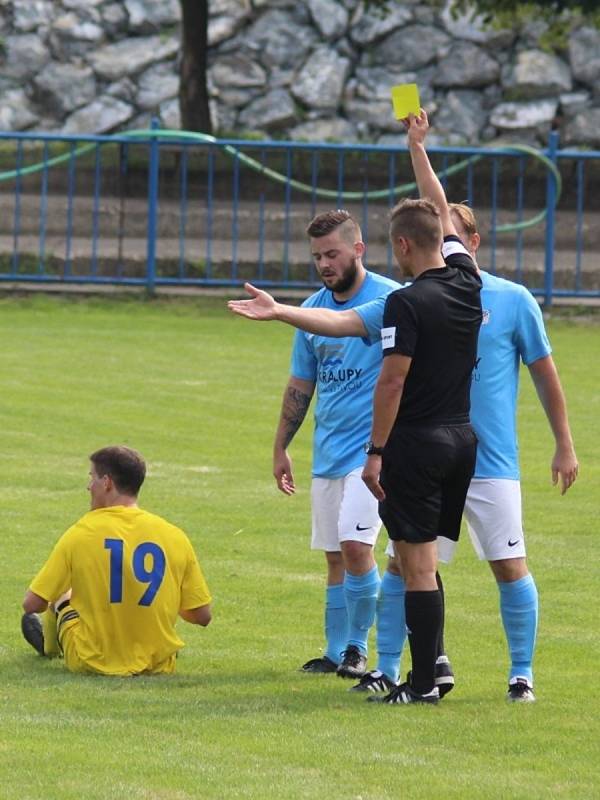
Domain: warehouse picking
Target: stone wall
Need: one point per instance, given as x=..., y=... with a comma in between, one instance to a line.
x=299, y=69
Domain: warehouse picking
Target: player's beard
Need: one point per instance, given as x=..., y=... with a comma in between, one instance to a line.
x=347, y=280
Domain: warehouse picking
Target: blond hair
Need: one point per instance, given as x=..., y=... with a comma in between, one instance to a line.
x=466, y=216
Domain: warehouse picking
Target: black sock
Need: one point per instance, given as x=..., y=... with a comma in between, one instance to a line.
x=441, y=650
x=423, y=620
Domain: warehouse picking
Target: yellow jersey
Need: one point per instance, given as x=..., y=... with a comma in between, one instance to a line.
x=131, y=572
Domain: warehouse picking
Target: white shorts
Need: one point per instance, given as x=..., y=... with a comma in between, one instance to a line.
x=445, y=549
x=343, y=510
x=494, y=521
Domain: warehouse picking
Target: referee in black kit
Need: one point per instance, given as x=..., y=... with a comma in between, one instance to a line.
x=421, y=456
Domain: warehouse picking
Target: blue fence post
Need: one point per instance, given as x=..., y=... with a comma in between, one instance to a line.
x=152, y=209
x=550, y=214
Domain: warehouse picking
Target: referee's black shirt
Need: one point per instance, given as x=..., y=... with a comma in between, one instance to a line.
x=435, y=321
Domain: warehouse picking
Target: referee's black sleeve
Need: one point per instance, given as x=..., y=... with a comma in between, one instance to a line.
x=400, y=325
x=456, y=255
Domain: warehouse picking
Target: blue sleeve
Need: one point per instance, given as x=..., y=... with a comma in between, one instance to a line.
x=531, y=339
x=304, y=362
x=371, y=315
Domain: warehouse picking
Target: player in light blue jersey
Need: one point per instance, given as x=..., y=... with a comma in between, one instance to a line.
x=345, y=520
x=512, y=331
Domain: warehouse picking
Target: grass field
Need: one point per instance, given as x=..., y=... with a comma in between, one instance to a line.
x=197, y=391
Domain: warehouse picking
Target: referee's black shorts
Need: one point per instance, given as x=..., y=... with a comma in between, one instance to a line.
x=425, y=474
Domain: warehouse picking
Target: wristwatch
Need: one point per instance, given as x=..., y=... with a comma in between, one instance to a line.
x=372, y=450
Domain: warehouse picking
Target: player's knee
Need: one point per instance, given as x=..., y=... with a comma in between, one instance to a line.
x=358, y=557
x=508, y=570
x=419, y=578
x=335, y=568
x=334, y=558
x=393, y=567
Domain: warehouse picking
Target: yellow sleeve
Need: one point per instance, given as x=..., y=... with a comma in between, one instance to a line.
x=194, y=591
x=54, y=578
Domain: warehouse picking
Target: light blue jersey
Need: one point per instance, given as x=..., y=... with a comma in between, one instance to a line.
x=345, y=372
x=512, y=331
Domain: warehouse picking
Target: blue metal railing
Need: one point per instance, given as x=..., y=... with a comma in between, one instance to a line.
x=152, y=212
x=162, y=208
x=550, y=211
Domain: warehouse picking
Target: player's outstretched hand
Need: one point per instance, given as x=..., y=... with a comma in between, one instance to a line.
x=416, y=127
x=261, y=306
x=370, y=476
x=565, y=466
x=282, y=472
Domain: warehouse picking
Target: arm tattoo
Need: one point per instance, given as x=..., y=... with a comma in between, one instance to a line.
x=295, y=406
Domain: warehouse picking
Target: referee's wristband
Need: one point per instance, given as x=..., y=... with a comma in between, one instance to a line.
x=372, y=449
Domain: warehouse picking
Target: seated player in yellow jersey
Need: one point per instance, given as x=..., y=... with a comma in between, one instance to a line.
x=116, y=581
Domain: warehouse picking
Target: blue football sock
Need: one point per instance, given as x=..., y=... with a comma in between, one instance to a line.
x=361, y=601
x=519, y=610
x=336, y=622
x=391, y=625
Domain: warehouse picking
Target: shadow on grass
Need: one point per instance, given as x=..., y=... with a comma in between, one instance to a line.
x=223, y=693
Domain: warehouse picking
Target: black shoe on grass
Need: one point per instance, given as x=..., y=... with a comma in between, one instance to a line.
x=444, y=677
x=353, y=663
x=31, y=627
x=405, y=695
x=374, y=681
x=520, y=691
x=319, y=665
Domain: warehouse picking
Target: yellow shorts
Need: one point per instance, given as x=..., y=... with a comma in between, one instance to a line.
x=68, y=622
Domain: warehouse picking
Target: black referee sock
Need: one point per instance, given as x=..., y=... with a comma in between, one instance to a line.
x=424, y=622
x=441, y=650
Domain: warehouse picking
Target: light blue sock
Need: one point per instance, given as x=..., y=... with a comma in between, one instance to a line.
x=336, y=622
x=391, y=625
x=361, y=600
x=519, y=610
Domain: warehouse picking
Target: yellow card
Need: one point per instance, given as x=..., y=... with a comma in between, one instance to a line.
x=405, y=99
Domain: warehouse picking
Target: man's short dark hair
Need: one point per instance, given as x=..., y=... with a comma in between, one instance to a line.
x=124, y=465
x=418, y=220
x=329, y=221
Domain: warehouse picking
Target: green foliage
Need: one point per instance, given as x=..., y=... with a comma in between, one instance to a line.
x=198, y=392
x=491, y=9
x=168, y=32
x=559, y=16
